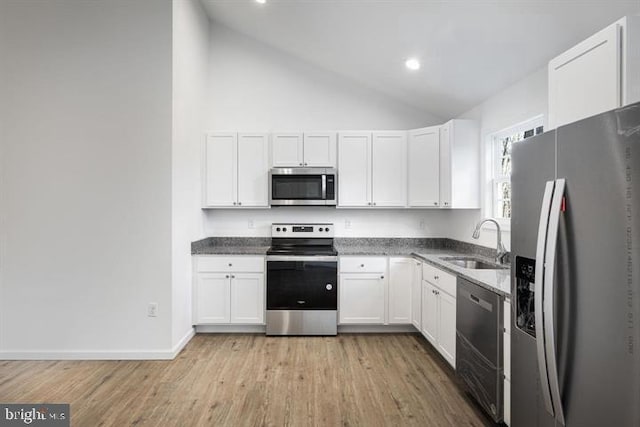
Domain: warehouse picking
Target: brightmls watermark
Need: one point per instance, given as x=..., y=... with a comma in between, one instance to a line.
x=37, y=415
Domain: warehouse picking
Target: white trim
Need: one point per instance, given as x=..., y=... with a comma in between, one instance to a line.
x=231, y=329
x=183, y=342
x=491, y=167
x=375, y=329
x=168, y=354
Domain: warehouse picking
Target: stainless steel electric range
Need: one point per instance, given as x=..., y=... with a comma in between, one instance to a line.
x=302, y=280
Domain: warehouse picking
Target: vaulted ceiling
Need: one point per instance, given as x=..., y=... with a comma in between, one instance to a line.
x=469, y=49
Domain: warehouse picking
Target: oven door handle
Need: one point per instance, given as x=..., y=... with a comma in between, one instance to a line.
x=302, y=258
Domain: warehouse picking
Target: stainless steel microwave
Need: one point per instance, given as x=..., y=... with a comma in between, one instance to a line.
x=303, y=186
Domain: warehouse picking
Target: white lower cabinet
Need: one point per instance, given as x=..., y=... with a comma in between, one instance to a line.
x=228, y=290
x=247, y=298
x=429, y=313
x=211, y=304
x=362, y=298
x=362, y=290
x=400, y=285
x=439, y=311
x=416, y=295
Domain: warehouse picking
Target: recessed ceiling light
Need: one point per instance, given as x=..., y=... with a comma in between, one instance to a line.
x=261, y=1
x=412, y=64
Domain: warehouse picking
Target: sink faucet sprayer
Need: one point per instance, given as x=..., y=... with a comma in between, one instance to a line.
x=501, y=252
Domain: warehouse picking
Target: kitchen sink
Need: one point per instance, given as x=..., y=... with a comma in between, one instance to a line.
x=472, y=263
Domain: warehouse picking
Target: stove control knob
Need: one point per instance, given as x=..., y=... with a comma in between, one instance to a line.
x=284, y=229
x=320, y=229
x=278, y=229
x=329, y=286
x=326, y=229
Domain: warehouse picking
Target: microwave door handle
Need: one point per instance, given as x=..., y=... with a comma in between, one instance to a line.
x=549, y=291
x=324, y=187
x=538, y=291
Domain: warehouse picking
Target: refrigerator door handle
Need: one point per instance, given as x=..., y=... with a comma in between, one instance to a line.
x=543, y=225
x=549, y=291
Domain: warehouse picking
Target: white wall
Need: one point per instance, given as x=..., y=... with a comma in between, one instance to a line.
x=254, y=87
x=85, y=178
x=363, y=223
x=522, y=101
x=190, y=62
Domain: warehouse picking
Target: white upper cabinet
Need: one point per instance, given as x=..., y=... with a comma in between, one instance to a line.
x=309, y=149
x=372, y=169
x=459, y=165
x=320, y=149
x=253, y=169
x=354, y=169
x=220, y=169
x=598, y=74
x=424, y=167
x=287, y=150
x=236, y=168
x=388, y=172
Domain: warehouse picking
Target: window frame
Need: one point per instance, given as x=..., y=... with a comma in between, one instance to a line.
x=494, y=177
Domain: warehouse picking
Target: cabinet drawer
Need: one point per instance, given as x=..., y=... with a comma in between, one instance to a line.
x=445, y=281
x=363, y=264
x=253, y=264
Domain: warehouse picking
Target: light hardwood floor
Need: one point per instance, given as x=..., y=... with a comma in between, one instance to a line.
x=253, y=380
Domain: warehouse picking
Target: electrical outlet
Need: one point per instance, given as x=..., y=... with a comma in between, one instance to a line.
x=250, y=224
x=152, y=309
x=347, y=223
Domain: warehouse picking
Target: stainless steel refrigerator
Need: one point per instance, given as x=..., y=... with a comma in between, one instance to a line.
x=575, y=246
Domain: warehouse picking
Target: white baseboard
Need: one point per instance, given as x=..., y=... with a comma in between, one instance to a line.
x=231, y=329
x=183, y=342
x=168, y=354
x=375, y=329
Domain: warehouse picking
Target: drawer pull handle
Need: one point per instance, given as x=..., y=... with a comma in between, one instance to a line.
x=436, y=277
x=362, y=265
x=226, y=277
x=233, y=276
x=382, y=277
x=301, y=302
x=230, y=265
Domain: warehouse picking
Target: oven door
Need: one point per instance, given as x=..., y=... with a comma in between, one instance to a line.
x=302, y=283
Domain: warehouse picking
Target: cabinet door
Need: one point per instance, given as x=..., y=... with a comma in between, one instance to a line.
x=585, y=80
x=287, y=150
x=424, y=167
x=220, y=170
x=429, y=313
x=354, y=169
x=361, y=298
x=447, y=326
x=247, y=298
x=320, y=149
x=389, y=168
x=212, y=298
x=446, y=133
x=416, y=295
x=253, y=169
x=400, y=284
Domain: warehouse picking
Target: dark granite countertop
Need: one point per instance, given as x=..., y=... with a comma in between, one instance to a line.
x=429, y=250
x=231, y=246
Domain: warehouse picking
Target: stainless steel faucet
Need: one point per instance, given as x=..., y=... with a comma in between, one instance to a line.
x=501, y=252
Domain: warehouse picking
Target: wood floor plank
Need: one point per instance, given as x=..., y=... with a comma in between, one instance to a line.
x=253, y=380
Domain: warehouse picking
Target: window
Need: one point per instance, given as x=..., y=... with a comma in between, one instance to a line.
x=501, y=143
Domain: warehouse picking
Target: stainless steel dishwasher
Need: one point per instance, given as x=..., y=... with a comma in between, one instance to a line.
x=479, y=344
